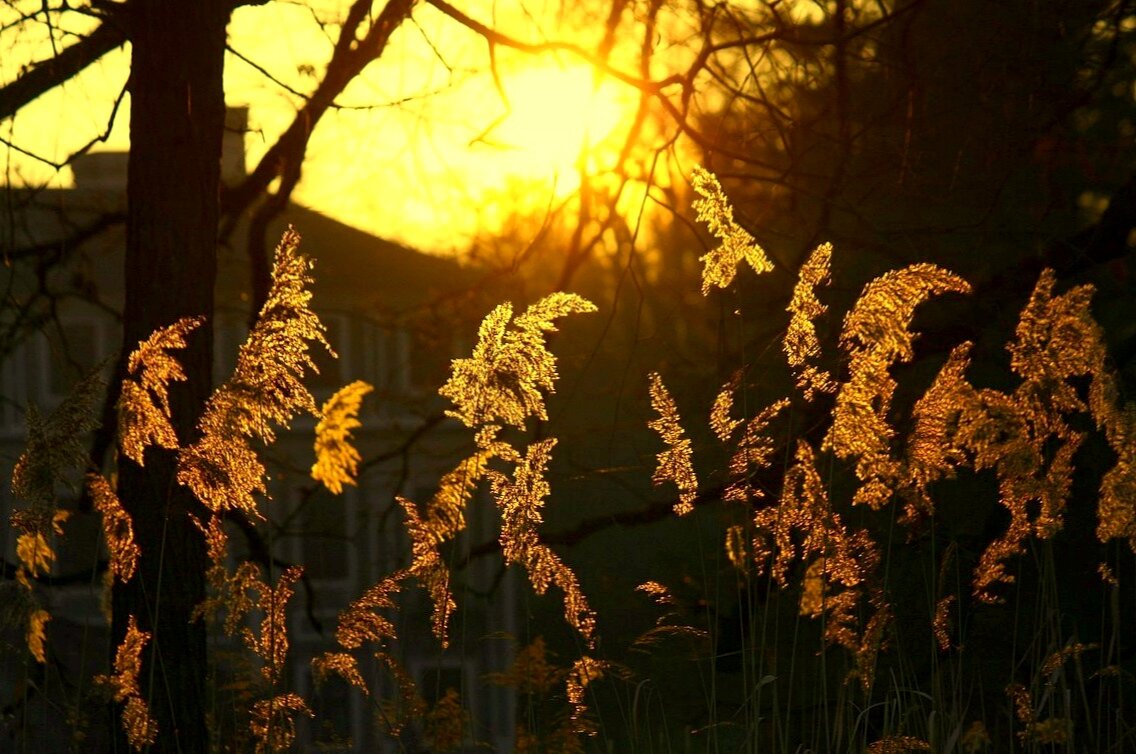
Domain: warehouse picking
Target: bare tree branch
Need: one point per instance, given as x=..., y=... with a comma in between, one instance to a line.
x=648, y=514
x=495, y=37
x=285, y=158
x=100, y=138
x=48, y=74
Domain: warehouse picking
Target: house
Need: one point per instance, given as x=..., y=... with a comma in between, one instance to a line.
x=389, y=312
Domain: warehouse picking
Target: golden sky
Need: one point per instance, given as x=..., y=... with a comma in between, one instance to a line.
x=424, y=139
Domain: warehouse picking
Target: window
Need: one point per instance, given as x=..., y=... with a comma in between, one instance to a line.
x=45, y=367
x=333, y=373
x=14, y=395
x=77, y=351
x=388, y=544
x=384, y=362
x=321, y=533
x=429, y=352
x=322, y=521
x=229, y=332
x=439, y=676
x=67, y=352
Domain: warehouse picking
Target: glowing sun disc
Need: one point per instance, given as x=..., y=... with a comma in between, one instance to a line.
x=555, y=111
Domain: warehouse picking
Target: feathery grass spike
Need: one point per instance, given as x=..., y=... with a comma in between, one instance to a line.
x=755, y=449
x=583, y=672
x=875, y=336
x=941, y=623
x=445, y=514
x=879, y=320
x=140, y=726
x=803, y=527
x=1116, y=509
x=273, y=722
x=1116, y=504
x=801, y=344
x=1057, y=338
x=1071, y=651
x=265, y=389
x=933, y=447
x=1027, y=438
x=342, y=664
x=363, y=620
x=873, y=641
x=54, y=451
x=721, y=421
x=520, y=500
x=118, y=530
x=444, y=726
x=976, y=738
x=36, y=634
x=429, y=568
x=737, y=548
x=720, y=265
x=531, y=671
x=144, y=401
x=674, y=463
x=33, y=550
x=271, y=644
x=898, y=745
x=814, y=592
x=443, y=519
x=230, y=590
x=337, y=460
x=56, y=444
x=502, y=382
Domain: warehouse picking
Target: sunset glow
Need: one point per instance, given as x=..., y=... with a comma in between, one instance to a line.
x=554, y=112
x=418, y=150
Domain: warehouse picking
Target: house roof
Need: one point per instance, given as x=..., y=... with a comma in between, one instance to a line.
x=354, y=270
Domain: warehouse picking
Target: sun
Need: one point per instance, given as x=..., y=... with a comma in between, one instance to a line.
x=554, y=112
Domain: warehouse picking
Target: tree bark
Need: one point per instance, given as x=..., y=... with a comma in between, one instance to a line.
x=176, y=125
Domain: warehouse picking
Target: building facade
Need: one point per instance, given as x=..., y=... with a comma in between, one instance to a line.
x=389, y=313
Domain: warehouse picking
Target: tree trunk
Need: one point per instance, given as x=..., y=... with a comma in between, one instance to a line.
x=176, y=123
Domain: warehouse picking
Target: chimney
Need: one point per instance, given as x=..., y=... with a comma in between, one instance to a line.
x=102, y=171
x=233, y=169
x=106, y=171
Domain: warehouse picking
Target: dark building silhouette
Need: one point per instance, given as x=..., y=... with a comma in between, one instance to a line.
x=387, y=309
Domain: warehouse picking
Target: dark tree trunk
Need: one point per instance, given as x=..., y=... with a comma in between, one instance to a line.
x=176, y=123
